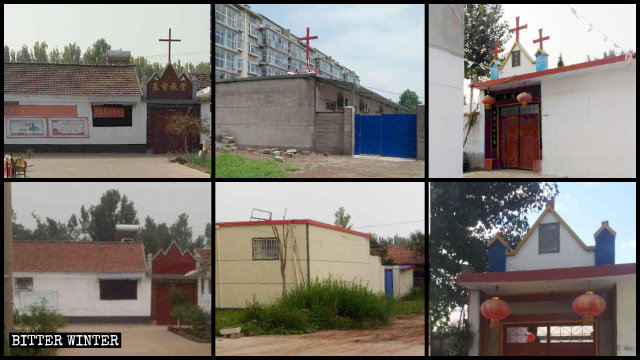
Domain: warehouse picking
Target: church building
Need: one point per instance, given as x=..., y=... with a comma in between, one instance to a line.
x=553, y=295
x=576, y=120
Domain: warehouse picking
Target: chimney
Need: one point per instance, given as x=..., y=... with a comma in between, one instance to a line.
x=500, y=234
x=126, y=233
x=606, y=222
x=149, y=263
x=550, y=203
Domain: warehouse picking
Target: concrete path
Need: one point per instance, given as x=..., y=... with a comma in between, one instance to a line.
x=138, y=339
x=108, y=166
x=507, y=173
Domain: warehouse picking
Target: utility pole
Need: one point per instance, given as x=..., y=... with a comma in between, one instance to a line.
x=8, y=260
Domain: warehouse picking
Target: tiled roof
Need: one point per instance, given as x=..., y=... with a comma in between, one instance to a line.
x=402, y=255
x=52, y=256
x=204, y=80
x=205, y=255
x=69, y=79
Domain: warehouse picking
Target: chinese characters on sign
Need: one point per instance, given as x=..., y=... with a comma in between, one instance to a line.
x=107, y=112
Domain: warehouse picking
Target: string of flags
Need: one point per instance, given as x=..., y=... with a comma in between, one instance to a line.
x=591, y=27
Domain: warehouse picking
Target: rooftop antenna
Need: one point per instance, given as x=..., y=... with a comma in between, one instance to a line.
x=254, y=210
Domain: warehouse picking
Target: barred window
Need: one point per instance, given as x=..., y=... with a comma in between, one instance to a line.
x=265, y=249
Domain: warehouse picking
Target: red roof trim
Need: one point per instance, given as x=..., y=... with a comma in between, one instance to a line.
x=549, y=274
x=300, y=221
x=536, y=74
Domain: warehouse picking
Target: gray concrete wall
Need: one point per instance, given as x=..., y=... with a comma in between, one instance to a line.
x=329, y=133
x=349, y=124
x=420, y=132
x=267, y=113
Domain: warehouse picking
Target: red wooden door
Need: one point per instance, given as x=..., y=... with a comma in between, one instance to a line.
x=161, y=299
x=511, y=141
x=529, y=140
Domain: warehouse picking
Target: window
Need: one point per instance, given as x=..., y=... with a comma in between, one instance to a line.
x=331, y=106
x=110, y=122
x=24, y=284
x=265, y=249
x=549, y=238
x=515, y=58
x=118, y=289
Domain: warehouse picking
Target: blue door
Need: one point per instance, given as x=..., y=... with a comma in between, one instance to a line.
x=386, y=135
x=388, y=283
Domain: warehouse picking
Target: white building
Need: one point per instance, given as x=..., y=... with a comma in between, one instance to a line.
x=446, y=74
x=203, y=273
x=542, y=287
x=84, y=281
x=579, y=122
x=58, y=107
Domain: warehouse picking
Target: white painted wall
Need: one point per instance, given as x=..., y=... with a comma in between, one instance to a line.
x=205, y=115
x=78, y=294
x=571, y=253
x=204, y=297
x=446, y=75
x=589, y=124
x=136, y=134
x=626, y=317
x=525, y=66
x=474, y=321
x=474, y=146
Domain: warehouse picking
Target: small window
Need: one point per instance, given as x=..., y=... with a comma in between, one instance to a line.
x=265, y=249
x=125, y=120
x=515, y=58
x=549, y=238
x=118, y=289
x=24, y=284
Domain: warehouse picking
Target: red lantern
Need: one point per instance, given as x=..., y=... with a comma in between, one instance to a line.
x=530, y=337
x=588, y=305
x=524, y=98
x=488, y=100
x=496, y=310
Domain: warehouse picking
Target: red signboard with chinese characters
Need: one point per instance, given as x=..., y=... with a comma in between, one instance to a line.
x=169, y=86
x=107, y=112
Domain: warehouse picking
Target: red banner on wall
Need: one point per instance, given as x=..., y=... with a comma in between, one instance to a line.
x=107, y=112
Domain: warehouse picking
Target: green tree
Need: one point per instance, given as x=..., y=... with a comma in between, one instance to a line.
x=96, y=54
x=482, y=28
x=342, y=219
x=464, y=215
x=409, y=99
x=113, y=209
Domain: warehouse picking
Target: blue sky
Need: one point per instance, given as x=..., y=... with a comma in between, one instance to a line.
x=583, y=206
x=383, y=44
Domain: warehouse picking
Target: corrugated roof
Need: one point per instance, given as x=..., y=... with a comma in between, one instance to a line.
x=53, y=256
x=71, y=79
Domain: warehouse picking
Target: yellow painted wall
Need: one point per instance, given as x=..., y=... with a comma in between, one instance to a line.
x=242, y=277
x=343, y=255
x=239, y=277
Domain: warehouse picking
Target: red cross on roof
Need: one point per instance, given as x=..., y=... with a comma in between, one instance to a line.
x=496, y=51
x=518, y=28
x=308, y=38
x=541, y=39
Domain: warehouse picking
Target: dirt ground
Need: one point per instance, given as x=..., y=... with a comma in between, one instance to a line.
x=340, y=166
x=405, y=336
x=138, y=339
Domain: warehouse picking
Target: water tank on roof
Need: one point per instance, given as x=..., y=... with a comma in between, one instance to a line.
x=118, y=57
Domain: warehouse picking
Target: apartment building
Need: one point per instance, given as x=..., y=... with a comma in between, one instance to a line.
x=248, y=44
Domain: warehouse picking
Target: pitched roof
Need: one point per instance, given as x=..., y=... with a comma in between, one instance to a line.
x=71, y=79
x=204, y=80
x=402, y=255
x=55, y=256
x=535, y=225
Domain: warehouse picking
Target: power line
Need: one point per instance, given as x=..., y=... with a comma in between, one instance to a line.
x=390, y=92
x=405, y=222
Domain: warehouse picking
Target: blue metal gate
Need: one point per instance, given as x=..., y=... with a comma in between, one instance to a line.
x=388, y=282
x=386, y=135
